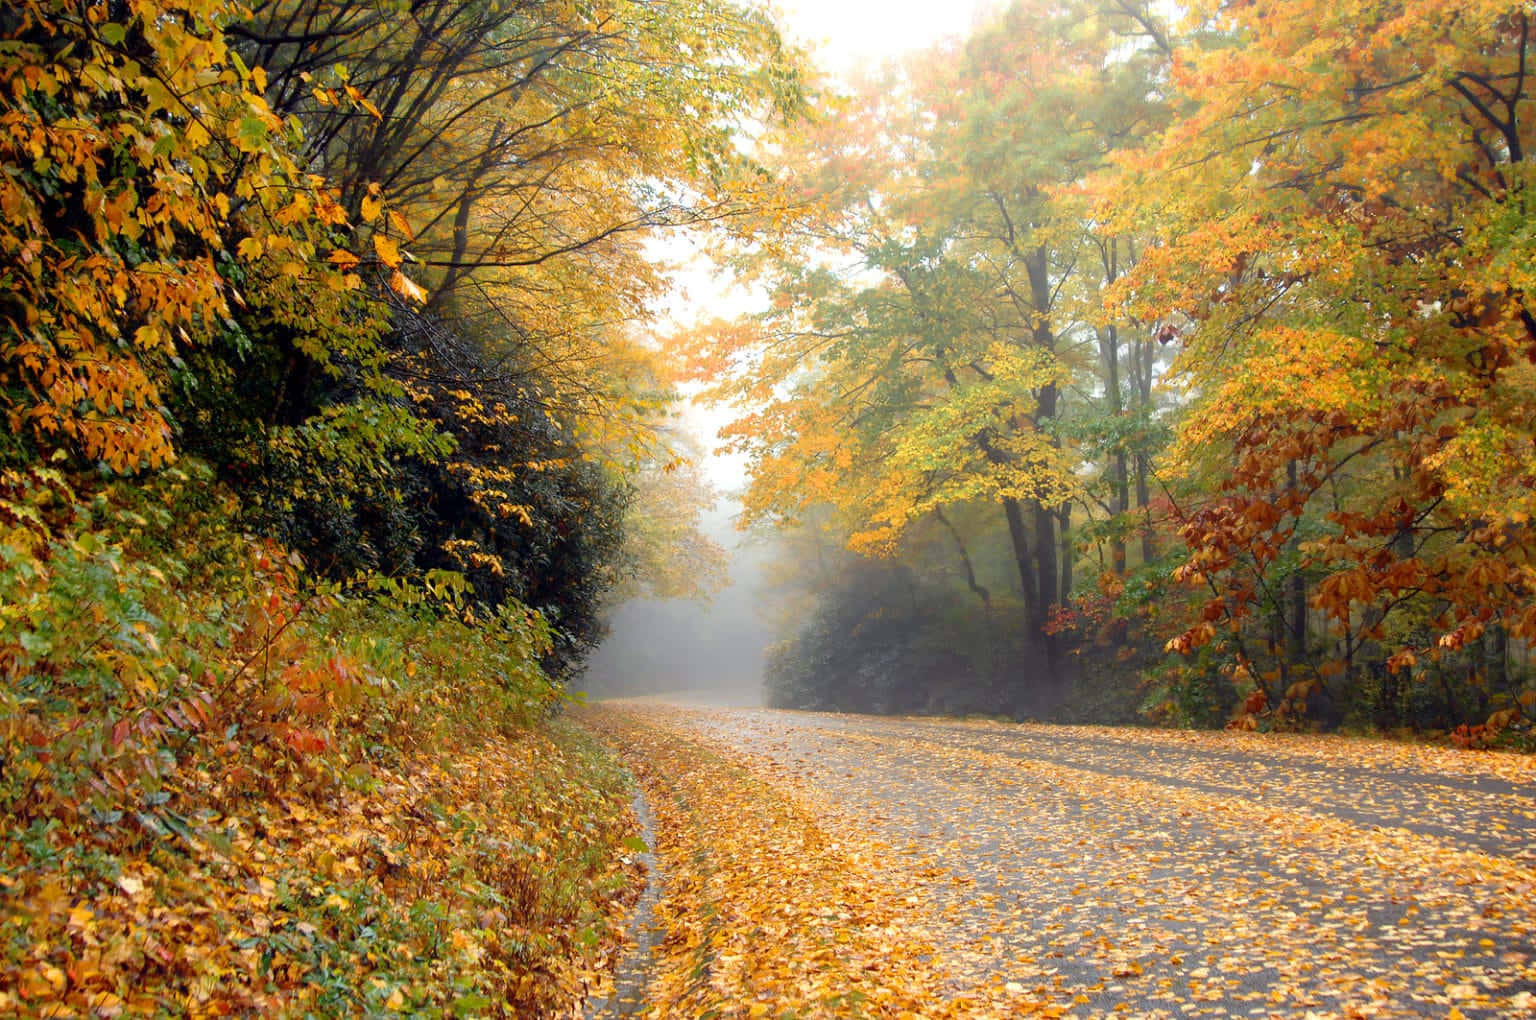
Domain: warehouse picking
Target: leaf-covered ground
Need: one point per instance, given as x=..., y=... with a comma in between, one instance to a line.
x=478, y=883
x=222, y=794
x=836, y=866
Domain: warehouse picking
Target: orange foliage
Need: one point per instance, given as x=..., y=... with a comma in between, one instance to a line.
x=141, y=159
x=1337, y=206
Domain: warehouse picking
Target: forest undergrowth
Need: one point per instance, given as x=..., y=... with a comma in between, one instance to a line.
x=229, y=793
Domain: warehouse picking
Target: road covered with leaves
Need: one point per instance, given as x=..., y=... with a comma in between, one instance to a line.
x=824, y=865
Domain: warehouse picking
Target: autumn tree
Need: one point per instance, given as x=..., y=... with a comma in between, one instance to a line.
x=1340, y=208
x=141, y=156
x=524, y=152
x=250, y=233
x=1042, y=98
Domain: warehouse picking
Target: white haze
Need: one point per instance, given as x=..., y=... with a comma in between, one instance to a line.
x=687, y=649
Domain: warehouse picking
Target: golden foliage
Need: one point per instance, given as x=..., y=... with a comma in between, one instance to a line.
x=138, y=155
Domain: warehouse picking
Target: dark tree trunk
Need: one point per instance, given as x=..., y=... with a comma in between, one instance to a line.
x=1496, y=657
x=1296, y=594
x=1119, y=469
x=1018, y=533
x=1143, y=361
x=1045, y=558
x=1064, y=517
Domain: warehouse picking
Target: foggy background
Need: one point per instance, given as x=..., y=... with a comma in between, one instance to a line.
x=692, y=650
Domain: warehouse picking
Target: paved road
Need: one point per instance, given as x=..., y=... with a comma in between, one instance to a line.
x=1163, y=874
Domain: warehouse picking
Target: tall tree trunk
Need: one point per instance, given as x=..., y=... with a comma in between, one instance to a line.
x=1045, y=559
x=1064, y=518
x=1119, y=473
x=1143, y=362
x=1050, y=592
x=1018, y=533
x=1496, y=657
x=457, y=260
x=1037, y=264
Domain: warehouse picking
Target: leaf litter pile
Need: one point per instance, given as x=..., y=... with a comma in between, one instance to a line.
x=821, y=865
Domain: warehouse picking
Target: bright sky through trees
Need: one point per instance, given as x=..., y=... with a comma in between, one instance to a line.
x=845, y=33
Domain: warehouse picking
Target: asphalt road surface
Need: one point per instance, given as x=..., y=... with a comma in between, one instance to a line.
x=1143, y=873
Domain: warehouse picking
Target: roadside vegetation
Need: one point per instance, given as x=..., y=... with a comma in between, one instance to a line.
x=330, y=419
x=226, y=794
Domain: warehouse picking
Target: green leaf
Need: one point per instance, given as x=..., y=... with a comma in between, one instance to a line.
x=252, y=132
x=472, y=1004
x=35, y=644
